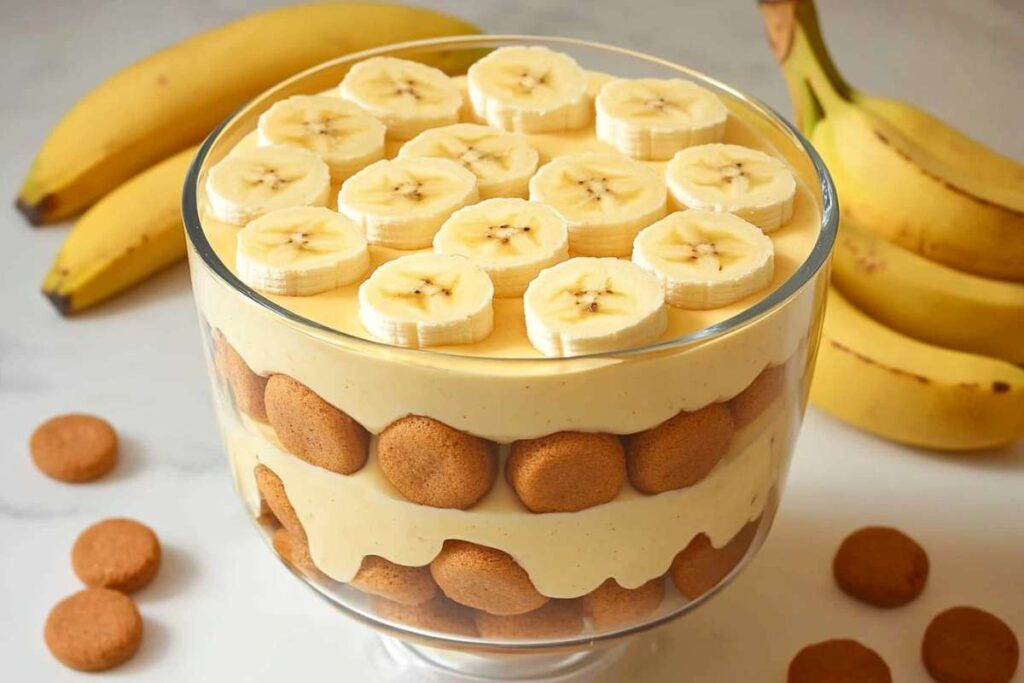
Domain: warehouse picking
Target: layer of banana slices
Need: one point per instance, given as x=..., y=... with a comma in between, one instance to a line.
x=529, y=90
x=705, y=259
x=730, y=178
x=300, y=251
x=502, y=162
x=427, y=299
x=509, y=239
x=401, y=203
x=408, y=97
x=650, y=118
x=593, y=305
x=339, y=132
x=605, y=198
x=587, y=240
x=250, y=182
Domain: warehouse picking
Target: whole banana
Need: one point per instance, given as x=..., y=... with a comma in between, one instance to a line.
x=900, y=172
x=127, y=236
x=175, y=97
x=912, y=392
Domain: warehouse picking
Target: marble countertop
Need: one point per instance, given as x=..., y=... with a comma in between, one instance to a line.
x=222, y=610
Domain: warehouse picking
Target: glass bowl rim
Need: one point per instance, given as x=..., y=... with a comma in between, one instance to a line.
x=816, y=259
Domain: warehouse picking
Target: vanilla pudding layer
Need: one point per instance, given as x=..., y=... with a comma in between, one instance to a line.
x=632, y=539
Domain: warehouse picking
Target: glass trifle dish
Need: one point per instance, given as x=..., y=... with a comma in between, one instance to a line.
x=510, y=337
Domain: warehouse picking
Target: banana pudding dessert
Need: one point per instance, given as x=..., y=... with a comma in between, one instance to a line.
x=514, y=354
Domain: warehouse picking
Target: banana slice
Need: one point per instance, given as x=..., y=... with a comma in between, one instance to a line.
x=650, y=118
x=407, y=96
x=248, y=183
x=401, y=203
x=339, y=132
x=705, y=259
x=299, y=251
x=733, y=179
x=529, y=90
x=593, y=305
x=605, y=198
x=509, y=239
x=502, y=162
x=427, y=299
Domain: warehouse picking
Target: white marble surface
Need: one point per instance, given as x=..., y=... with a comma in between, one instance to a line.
x=222, y=610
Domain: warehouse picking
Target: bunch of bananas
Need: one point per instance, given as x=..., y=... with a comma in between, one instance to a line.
x=128, y=163
x=923, y=338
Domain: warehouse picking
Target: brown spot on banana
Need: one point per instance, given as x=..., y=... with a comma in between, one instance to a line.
x=1000, y=387
x=839, y=346
x=780, y=24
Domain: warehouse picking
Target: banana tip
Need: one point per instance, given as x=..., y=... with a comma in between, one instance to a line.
x=34, y=212
x=62, y=302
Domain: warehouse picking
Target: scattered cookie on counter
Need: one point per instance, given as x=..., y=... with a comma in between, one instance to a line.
x=610, y=605
x=680, y=451
x=838, y=661
x=272, y=493
x=74, y=448
x=433, y=464
x=121, y=554
x=313, y=429
x=747, y=405
x=397, y=583
x=881, y=566
x=969, y=645
x=566, y=471
x=246, y=386
x=439, y=614
x=700, y=566
x=485, y=578
x=555, y=619
x=94, y=629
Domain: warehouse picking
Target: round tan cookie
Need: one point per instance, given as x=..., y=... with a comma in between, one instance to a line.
x=756, y=398
x=969, y=645
x=567, y=471
x=294, y=550
x=94, y=629
x=272, y=491
x=246, y=386
x=439, y=614
x=313, y=429
x=881, y=566
x=555, y=619
x=610, y=605
x=116, y=553
x=838, y=661
x=396, y=582
x=680, y=451
x=433, y=464
x=74, y=448
x=700, y=566
x=484, y=578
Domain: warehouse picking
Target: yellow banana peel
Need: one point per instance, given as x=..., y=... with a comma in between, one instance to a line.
x=175, y=97
x=133, y=232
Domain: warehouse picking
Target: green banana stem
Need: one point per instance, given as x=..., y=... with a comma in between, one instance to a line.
x=814, y=82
